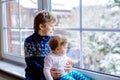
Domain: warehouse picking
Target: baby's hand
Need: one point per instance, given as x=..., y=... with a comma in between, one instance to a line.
x=68, y=66
x=70, y=62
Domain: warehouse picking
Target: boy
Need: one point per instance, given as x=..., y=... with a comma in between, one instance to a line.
x=36, y=46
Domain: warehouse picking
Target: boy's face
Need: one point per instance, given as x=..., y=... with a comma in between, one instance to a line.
x=47, y=29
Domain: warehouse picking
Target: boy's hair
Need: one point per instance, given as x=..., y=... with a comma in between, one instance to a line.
x=56, y=41
x=43, y=17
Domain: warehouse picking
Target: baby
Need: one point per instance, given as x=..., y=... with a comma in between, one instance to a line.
x=58, y=59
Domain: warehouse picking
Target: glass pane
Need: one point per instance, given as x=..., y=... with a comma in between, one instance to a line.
x=100, y=14
x=27, y=12
x=73, y=39
x=73, y=44
x=18, y=14
x=102, y=51
x=18, y=17
x=12, y=42
x=12, y=15
x=67, y=13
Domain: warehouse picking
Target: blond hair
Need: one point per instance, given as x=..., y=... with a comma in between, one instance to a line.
x=43, y=17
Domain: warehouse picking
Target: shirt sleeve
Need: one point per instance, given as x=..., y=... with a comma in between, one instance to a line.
x=31, y=60
x=47, y=67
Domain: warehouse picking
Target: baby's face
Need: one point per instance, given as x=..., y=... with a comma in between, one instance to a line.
x=62, y=50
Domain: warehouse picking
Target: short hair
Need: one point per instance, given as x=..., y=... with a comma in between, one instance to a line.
x=43, y=17
x=56, y=41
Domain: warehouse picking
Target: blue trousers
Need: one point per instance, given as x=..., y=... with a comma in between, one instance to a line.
x=74, y=75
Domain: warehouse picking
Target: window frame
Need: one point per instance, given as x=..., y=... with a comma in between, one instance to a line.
x=1, y=22
x=45, y=5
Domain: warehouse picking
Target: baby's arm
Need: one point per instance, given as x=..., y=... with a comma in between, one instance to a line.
x=69, y=63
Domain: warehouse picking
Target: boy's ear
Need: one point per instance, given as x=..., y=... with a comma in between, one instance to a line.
x=41, y=26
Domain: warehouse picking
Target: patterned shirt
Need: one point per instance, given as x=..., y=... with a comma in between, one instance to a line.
x=36, y=47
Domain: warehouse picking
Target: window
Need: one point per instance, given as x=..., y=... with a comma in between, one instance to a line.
x=17, y=25
x=100, y=30
x=92, y=28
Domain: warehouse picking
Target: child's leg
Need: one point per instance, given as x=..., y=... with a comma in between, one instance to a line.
x=78, y=76
x=66, y=77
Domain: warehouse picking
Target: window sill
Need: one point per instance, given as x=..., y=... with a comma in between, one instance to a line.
x=12, y=68
x=98, y=75
x=18, y=70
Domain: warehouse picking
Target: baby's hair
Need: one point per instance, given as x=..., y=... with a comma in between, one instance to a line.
x=56, y=41
x=43, y=17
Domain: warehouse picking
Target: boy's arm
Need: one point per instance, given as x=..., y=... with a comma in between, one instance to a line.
x=31, y=61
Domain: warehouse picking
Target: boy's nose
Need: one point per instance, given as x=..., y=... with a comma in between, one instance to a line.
x=53, y=28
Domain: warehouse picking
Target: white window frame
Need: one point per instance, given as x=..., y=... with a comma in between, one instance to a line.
x=42, y=5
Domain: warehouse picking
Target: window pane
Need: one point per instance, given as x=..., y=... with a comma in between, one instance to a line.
x=12, y=15
x=12, y=42
x=20, y=15
x=67, y=13
x=100, y=14
x=73, y=43
x=102, y=51
x=18, y=24
x=27, y=12
x=73, y=39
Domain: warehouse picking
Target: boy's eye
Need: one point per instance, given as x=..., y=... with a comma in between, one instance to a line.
x=51, y=25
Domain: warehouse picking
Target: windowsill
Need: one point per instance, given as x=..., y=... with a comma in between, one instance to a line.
x=12, y=68
x=18, y=70
x=98, y=75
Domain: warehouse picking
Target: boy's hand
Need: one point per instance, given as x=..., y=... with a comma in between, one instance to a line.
x=55, y=74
